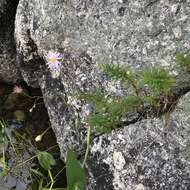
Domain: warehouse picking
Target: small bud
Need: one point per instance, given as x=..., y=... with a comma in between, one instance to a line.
x=31, y=109
x=38, y=138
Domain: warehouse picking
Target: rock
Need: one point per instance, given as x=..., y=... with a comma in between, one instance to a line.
x=119, y=160
x=139, y=34
x=8, y=69
x=77, y=29
x=153, y=159
x=140, y=187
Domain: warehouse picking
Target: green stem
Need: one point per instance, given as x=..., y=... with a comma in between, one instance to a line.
x=3, y=125
x=51, y=177
x=55, y=176
x=45, y=131
x=20, y=164
x=24, y=162
x=87, y=146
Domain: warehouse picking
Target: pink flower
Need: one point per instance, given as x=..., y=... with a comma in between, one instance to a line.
x=54, y=60
x=17, y=89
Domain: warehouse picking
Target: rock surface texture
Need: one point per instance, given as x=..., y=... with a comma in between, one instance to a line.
x=8, y=69
x=140, y=34
x=142, y=156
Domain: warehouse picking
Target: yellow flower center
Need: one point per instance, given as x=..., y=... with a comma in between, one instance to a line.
x=53, y=60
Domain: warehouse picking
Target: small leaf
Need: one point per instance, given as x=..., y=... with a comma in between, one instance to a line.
x=46, y=160
x=76, y=176
x=3, y=173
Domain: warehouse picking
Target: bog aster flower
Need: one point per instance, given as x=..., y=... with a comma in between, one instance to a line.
x=54, y=60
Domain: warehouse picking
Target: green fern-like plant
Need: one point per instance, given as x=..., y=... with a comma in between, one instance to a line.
x=100, y=123
x=118, y=72
x=158, y=80
x=124, y=74
x=97, y=98
x=108, y=112
x=184, y=61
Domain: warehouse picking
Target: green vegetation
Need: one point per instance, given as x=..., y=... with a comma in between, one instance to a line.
x=146, y=87
x=124, y=74
x=184, y=61
x=76, y=177
x=158, y=80
x=46, y=160
x=17, y=144
x=3, y=143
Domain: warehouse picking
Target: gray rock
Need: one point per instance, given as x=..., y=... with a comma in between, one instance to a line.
x=134, y=33
x=142, y=155
x=8, y=70
x=21, y=185
x=139, y=34
x=11, y=182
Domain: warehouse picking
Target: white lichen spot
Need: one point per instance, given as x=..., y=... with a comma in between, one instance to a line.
x=112, y=88
x=174, y=8
x=164, y=63
x=96, y=147
x=173, y=72
x=117, y=182
x=72, y=101
x=55, y=73
x=118, y=160
x=177, y=32
x=140, y=186
x=87, y=109
x=108, y=160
